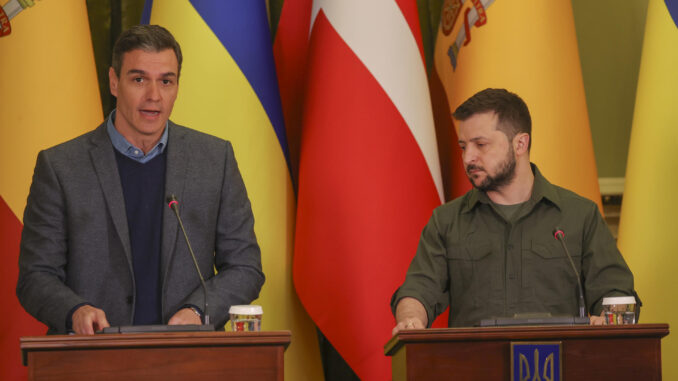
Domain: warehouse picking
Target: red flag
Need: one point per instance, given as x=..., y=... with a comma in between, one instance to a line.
x=454, y=175
x=369, y=174
x=15, y=321
x=290, y=48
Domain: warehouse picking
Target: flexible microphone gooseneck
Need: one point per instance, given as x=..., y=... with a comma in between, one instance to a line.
x=174, y=205
x=560, y=236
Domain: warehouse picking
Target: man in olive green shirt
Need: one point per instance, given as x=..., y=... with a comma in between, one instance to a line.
x=492, y=252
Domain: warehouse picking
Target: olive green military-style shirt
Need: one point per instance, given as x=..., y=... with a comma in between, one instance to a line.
x=471, y=258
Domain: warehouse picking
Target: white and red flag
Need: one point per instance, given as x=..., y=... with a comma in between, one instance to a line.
x=369, y=172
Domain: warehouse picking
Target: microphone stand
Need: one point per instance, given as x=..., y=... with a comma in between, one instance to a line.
x=560, y=236
x=174, y=205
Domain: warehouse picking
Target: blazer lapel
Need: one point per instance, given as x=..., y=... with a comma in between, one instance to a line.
x=106, y=169
x=175, y=177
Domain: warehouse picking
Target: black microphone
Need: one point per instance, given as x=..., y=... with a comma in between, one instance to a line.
x=560, y=236
x=174, y=205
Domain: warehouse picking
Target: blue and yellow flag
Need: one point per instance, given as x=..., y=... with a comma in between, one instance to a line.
x=649, y=210
x=228, y=88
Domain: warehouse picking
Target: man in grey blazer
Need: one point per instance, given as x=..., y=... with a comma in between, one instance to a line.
x=100, y=246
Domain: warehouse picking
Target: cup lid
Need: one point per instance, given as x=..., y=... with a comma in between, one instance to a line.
x=619, y=300
x=252, y=309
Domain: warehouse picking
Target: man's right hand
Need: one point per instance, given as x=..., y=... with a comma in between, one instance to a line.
x=411, y=323
x=87, y=320
x=410, y=314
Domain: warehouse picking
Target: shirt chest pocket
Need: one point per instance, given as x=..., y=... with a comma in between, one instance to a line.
x=547, y=269
x=473, y=267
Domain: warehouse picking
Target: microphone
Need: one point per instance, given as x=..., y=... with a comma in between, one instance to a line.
x=560, y=236
x=174, y=205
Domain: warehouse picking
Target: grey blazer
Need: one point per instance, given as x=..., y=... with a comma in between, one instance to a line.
x=75, y=245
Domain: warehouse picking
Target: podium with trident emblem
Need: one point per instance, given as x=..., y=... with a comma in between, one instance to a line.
x=547, y=353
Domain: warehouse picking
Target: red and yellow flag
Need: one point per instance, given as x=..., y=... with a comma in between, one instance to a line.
x=529, y=48
x=49, y=91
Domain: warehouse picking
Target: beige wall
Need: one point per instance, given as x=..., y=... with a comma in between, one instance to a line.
x=610, y=35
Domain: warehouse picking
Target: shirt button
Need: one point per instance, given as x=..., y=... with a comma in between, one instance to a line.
x=129, y=299
x=136, y=152
x=510, y=247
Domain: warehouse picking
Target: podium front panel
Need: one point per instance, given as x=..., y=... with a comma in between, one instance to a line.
x=607, y=352
x=168, y=356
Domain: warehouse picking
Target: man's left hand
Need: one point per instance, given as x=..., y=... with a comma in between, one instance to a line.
x=185, y=316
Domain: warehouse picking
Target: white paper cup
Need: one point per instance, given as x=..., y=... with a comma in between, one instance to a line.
x=619, y=310
x=246, y=317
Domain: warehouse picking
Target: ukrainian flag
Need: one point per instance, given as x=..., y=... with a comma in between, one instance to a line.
x=228, y=88
x=648, y=215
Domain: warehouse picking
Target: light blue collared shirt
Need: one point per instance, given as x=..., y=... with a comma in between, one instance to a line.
x=126, y=148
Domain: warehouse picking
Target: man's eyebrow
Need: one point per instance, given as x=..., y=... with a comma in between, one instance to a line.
x=135, y=71
x=142, y=72
x=473, y=139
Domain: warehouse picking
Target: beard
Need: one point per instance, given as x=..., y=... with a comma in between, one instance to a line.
x=504, y=174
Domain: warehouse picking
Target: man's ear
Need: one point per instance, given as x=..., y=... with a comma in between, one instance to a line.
x=521, y=143
x=113, y=82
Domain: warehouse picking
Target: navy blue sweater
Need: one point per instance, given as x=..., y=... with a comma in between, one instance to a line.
x=143, y=186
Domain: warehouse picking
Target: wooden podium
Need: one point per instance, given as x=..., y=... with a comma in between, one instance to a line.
x=157, y=356
x=627, y=352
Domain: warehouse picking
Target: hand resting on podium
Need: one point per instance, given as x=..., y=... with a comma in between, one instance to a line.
x=87, y=319
x=185, y=316
x=410, y=314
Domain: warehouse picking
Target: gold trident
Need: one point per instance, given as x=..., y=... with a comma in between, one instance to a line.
x=548, y=371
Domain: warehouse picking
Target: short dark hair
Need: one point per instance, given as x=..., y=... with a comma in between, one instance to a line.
x=512, y=113
x=149, y=38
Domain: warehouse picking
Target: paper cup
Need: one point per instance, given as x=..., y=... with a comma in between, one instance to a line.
x=620, y=310
x=246, y=317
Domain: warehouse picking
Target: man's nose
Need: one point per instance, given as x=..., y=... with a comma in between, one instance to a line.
x=469, y=155
x=153, y=92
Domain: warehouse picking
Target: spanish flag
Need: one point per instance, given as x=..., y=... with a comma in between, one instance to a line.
x=369, y=173
x=228, y=88
x=648, y=214
x=49, y=94
x=530, y=48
